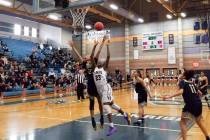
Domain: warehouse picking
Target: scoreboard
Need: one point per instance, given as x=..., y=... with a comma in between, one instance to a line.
x=152, y=41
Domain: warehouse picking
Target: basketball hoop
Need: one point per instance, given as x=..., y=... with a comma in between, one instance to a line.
x=78, y=15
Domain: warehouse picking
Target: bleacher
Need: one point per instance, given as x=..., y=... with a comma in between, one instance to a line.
x=34, y=57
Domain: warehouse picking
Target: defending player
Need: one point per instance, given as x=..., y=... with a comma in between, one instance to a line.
x=143, y=91
x=89, y=67
x=193, y=105
x=105, y=91
x=203, y=83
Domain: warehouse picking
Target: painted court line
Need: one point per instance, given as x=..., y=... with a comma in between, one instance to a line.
x=134, y=126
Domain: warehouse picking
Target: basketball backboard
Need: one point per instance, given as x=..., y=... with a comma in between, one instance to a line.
x=41, y=7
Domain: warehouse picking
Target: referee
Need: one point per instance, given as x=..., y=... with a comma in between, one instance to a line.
x=80, y=77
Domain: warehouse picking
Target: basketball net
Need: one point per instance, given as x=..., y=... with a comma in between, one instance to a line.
x=78, y=15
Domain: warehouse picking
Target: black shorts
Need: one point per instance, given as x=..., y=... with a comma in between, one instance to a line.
x=142, y=97
x=92, y=92
x=204, y=91
x=193, y=109
x=91, y=89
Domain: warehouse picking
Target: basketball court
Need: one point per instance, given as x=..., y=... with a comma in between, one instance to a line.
x=155, y=37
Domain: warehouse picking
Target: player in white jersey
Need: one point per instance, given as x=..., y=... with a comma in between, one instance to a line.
x=105, y=91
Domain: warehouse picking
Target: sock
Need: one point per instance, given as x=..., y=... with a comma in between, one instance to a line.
x=102, y=120
x=125, y=114
x=93, y=122
x=206, y=98
x=111, y=124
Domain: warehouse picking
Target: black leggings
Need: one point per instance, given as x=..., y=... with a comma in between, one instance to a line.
x=92, y=101
x=80, y=91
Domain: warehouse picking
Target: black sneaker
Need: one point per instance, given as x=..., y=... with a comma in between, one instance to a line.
x=93, y=123
x=206, y=98
x=138, y=123
x=102, y=121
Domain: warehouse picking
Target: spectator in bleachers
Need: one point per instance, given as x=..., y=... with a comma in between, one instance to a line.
x=51, y=75
x=43, y=85
x=25, y=84
x=33, y=83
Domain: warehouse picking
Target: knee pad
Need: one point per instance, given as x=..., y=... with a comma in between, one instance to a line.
x=116, y=107
x=107, y=109
x=91, y=107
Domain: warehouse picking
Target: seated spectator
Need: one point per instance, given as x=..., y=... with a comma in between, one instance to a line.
x=51, y=75
x=33, y=83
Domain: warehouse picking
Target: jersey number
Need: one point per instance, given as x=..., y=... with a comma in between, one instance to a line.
x=192, y=88
x=98, y=77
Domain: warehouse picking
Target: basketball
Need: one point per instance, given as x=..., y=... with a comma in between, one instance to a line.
x=99, y=26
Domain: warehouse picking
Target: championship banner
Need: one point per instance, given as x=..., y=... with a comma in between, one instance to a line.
x=153, y=41
x=171, y=55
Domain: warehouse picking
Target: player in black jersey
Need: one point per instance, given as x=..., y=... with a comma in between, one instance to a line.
x=203, y=87
x=193, y=105
x=142, y=91
x=89, y=66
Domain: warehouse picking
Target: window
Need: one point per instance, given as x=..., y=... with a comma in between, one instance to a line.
x=17, y=29
x=26, y=31
x=34, y=32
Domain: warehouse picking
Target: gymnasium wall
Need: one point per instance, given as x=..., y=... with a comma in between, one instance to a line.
x=45, y=32
x=159, y=58
x=156, y=58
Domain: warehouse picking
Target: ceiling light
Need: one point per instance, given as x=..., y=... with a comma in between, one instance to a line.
x=54, y=16
x=148, y=0
x=183, y=14
x=141, y=20
x=6, y=3
x=88, y=27
x=114, y=7
x=169, y=16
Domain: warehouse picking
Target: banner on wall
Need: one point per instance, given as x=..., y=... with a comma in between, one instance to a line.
x=153, y=41
x=135, y=41
x=171, y=55
x=171, y=38
x=136, y=54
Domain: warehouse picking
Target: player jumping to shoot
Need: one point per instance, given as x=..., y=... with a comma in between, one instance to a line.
x=105, y=91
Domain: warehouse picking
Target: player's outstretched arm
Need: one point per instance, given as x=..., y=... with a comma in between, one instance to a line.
x=101, y=46
x=106, y=65
x=180, y=92
x=71, y=44
x=94, y=49
x=93, y=52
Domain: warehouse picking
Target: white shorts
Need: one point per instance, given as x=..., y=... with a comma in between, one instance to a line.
x=105, y=91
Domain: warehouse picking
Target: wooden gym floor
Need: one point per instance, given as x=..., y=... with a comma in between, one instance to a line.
x=24, y=118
